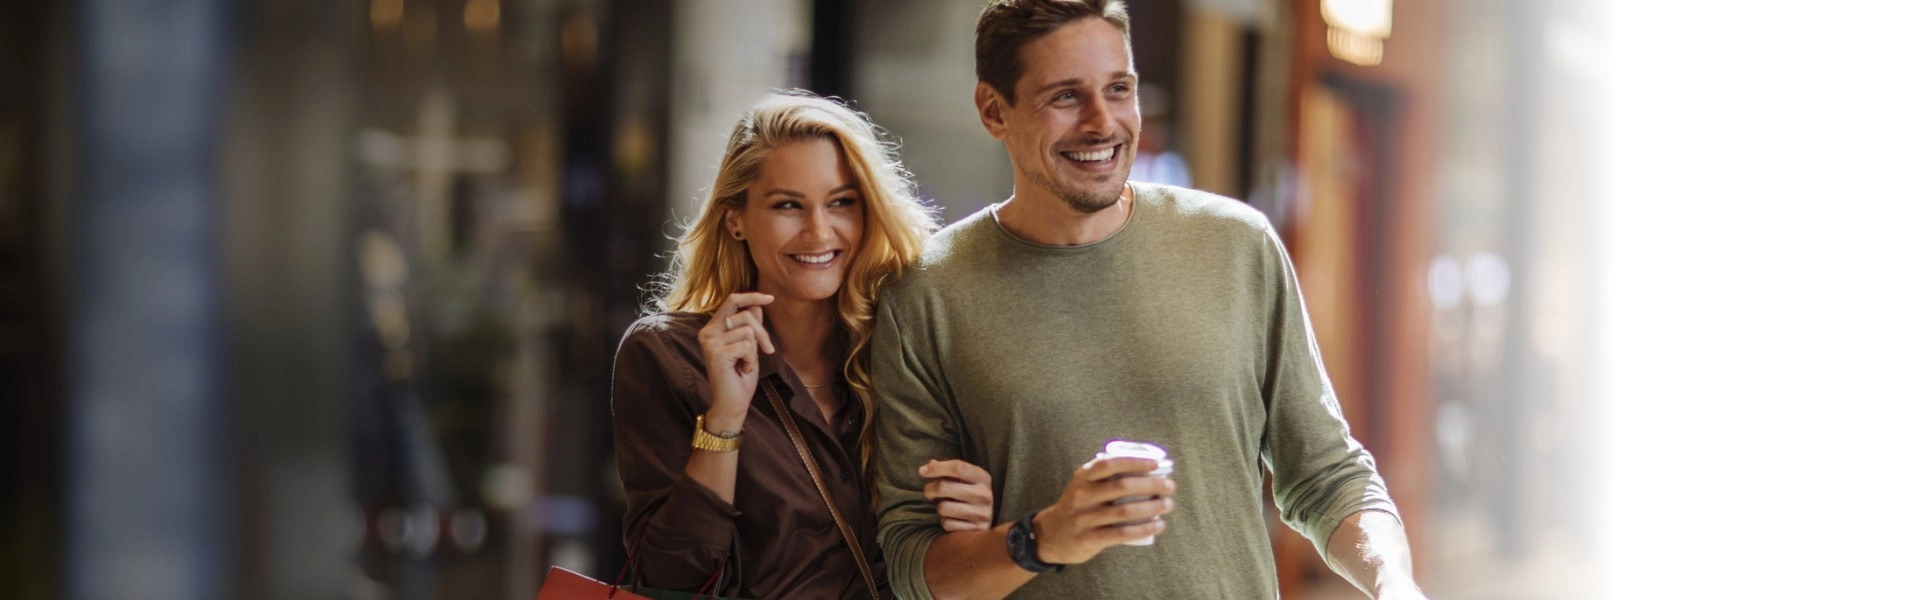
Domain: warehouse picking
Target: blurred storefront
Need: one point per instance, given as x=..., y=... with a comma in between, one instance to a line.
x=428, y=221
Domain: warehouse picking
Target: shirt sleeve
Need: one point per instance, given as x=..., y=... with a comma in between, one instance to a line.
x=1321, y=474
x=678, y=531
x=913, y=424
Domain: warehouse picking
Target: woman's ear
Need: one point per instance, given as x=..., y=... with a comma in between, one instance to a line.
x=732, y=223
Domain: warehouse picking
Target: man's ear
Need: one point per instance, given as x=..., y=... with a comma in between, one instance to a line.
x=992, y=109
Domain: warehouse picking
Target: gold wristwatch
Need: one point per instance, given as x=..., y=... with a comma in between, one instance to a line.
x=711, y=442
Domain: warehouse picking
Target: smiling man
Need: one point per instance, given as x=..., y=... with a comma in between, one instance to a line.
x=1086, y=309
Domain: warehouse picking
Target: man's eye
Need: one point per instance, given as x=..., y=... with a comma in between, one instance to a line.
x=1066, y=97
x=1121, y=88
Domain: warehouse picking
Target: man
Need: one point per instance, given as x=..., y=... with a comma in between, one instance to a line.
x=1085, y=309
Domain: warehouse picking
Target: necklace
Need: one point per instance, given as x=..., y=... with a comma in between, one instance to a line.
x=804, y=384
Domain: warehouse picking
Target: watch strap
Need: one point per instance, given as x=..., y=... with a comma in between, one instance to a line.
x=1024, y=548
x=710, y=442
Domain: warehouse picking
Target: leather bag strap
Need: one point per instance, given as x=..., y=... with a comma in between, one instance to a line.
x=820, y=485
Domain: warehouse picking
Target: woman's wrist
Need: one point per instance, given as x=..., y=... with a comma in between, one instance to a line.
x=725, y=423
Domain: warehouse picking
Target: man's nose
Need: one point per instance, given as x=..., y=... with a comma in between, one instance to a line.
x=1098, y=118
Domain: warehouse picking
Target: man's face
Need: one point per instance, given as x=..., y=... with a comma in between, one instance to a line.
x=1075, y=127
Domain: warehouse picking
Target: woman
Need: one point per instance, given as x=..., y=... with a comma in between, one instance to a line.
x=770, y=295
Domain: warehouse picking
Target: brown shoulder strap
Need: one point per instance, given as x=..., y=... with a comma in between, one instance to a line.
x=820, y=485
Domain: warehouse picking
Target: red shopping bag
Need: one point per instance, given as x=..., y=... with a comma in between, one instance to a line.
x=562, y=584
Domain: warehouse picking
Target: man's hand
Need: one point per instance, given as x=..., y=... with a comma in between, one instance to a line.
x=963, y=492
x=1085, y=520
x=1369, y=549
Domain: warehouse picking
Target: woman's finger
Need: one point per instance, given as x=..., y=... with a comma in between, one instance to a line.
x=956, y=469
x=736, y=356
x=734, y=304
x=747, y=321
x=964, y=511
x=952, y=525
x=948, y=489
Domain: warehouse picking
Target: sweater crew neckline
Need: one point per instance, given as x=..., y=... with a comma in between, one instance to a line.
x=1133, y=214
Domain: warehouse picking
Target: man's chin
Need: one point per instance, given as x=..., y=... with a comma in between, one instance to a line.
x=1094, y=199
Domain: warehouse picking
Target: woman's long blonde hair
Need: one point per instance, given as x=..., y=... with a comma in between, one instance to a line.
x=708, y=265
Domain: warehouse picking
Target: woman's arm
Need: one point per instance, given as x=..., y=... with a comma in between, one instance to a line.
x=680, y=520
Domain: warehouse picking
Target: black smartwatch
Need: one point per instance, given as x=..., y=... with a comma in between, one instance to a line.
x=1025, y=549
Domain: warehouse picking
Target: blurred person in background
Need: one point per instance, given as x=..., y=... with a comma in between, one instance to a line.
x=746, y=402
x=1085, y=309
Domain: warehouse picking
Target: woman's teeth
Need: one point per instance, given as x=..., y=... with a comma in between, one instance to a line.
x=816, y=258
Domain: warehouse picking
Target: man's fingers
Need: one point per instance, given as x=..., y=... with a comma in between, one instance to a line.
x=1128, y=533
x=1107, y=468
x=1131, y=511
x=955, y=469
x=1122, y=487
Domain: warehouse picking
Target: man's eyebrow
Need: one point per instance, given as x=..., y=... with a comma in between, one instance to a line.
x=1075, y=81
x=1062, y=83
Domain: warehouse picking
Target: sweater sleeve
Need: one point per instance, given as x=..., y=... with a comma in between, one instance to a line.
x=678, y=531
x=913, y=425
x=1321, y=474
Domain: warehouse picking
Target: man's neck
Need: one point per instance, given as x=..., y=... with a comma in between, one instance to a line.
x=1041, y=218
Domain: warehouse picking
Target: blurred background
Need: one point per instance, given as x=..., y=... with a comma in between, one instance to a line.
x=318, y=299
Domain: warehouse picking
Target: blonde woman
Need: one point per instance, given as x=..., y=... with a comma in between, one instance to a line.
x=741, y=413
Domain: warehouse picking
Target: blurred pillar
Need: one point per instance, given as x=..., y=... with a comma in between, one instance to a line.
x=913, y=73
x=148, y=471
x=726, y=54
x=290, y=313
x=1211, y=94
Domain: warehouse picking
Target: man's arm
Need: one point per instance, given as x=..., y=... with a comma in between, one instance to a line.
x=975, y=564
x=1324, y=481
x=1369, y=548
x=915, y=422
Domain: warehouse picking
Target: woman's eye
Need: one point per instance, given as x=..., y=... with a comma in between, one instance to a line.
x=786, y=205
x=846, y=201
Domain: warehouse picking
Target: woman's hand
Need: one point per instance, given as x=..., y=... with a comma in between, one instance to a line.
x=962, y=492
x=731, y=343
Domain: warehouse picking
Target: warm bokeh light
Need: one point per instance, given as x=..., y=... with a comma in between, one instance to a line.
x=482, y=15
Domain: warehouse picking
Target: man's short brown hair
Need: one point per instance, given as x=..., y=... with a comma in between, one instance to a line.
x=1006, y=26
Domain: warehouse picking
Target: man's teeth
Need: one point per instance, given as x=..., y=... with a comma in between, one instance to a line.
x=1096, y=156
x=815, y=258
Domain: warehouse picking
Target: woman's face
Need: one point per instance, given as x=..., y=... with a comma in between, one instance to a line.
x=802, y=222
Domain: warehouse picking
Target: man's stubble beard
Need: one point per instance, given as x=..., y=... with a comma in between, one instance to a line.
x=1089, y=200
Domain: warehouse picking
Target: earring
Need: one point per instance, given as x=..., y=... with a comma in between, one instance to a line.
x=739, y=236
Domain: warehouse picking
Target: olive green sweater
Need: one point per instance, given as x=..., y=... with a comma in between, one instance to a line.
x=1185, y=328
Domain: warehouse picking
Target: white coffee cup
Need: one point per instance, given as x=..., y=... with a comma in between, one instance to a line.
x=1130, y=449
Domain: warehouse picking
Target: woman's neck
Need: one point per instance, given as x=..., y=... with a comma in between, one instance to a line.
x=810, y=337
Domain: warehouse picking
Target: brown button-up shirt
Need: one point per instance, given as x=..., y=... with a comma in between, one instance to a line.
x=777, y=539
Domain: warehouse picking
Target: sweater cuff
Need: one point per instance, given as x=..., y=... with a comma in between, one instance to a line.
x=906, y=563
x=1325, y=524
